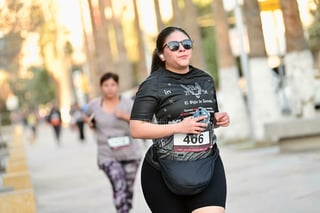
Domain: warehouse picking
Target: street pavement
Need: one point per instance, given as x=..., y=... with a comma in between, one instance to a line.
x=66, y=178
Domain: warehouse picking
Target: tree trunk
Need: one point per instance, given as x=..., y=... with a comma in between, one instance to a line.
x=294, y=33
x=192, y=27
x=56, y=62
x=232, y=98
x=177, y=18
x=122, y=63
x=254, y=26
x=142, y=70
x=298, y=62
x=100, y=38
x=89, y=50
x=262, y=99
x=11, y=44
x=160, y=25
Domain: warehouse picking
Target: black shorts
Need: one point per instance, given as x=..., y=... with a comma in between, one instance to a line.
x=160, y=199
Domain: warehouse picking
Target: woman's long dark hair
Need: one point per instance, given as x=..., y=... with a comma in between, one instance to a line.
x=156, y=61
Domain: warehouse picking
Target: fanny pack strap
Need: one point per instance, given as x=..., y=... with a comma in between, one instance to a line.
x=214, y=151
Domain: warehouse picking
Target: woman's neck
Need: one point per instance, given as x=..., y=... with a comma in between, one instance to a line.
x=109, y=104
x=182, y=70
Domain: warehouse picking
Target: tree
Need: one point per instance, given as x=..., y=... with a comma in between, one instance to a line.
x=314, y=35
x=121, y=60
x=142, y=69
x=91, y=67
x=35, y=90
x=191, y=25
x=16, y=18
x=101, y=48
x=158, y=15
x=53, y=44
x=262, y=98
x=11, y=44
x=233, y=100
x=205, y=21
x=177, y=18
x=298, y=62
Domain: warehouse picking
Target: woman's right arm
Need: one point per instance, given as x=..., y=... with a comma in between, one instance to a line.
x=144, y=107
x=147, y=130
x=88, y=115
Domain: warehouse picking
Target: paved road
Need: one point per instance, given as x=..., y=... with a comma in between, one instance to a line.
x=67, y=180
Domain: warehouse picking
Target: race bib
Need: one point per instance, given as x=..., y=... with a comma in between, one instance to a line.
x=192, y=142
x=119, y=142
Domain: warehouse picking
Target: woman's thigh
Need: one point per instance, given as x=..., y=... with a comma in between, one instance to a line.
x=209, y=209
x=156, y=193
x=214, y=195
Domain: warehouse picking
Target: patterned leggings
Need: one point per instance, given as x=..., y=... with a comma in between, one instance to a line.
x=122, y=175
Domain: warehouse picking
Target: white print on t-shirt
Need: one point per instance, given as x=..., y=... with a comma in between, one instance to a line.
x=198, y=101
x=194, y=90
x=167, y=92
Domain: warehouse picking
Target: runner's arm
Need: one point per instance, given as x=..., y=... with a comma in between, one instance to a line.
x=147, y=130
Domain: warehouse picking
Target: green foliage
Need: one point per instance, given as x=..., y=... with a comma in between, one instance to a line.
x=202, y=3
x=36, y=17
x=18, y=16
x=68, y=48
x=10, y=46
x=48, y=36
x=209, y=48
x=17, y=19
x=5, y=118
x=209, y=41
x=34, y=90
x=314, y=31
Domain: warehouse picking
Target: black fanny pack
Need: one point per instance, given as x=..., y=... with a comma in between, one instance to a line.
x=188, y=177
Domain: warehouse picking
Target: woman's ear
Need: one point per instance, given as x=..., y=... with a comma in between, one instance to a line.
x=161, y=56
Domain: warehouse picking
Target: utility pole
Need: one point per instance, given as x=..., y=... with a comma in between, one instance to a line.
x=245, y=64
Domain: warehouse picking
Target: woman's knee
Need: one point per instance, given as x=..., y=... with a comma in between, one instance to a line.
x=209, y=209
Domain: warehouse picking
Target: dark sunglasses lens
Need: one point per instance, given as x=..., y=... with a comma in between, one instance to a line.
x=173, y=45
x=187, y=44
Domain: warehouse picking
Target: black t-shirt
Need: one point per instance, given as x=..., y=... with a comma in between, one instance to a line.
x=167, y=97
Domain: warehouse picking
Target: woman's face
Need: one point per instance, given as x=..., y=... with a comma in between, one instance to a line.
x=109, y=88
x=176, y=60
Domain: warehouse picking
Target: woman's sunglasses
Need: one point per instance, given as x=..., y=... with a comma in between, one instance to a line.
x=175, y=45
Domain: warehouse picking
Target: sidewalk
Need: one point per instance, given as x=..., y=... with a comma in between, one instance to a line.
x=66, y=179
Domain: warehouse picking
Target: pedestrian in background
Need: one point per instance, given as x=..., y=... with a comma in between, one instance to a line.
x=77, y=120
x=182, y=100
x=55, y=120
x=32, y=120
x=118, y=154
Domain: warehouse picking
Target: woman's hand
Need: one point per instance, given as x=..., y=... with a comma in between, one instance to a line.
x=222, y=119
x=90, y=121
x=192, y=125
x=90, y=124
